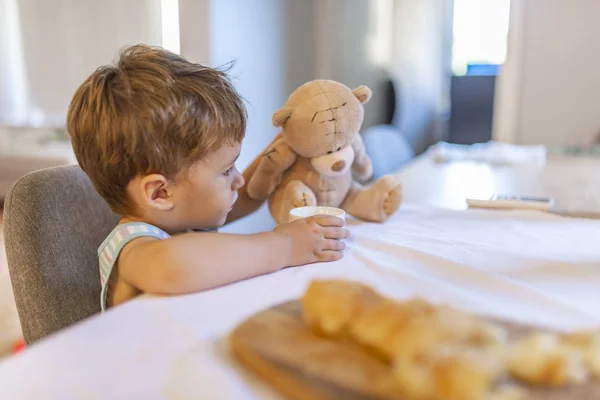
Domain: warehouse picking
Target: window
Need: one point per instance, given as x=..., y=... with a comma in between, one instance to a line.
x=480, y=31
x=169, y=12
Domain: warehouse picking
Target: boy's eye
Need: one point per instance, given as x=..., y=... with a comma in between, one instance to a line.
x=229, y=171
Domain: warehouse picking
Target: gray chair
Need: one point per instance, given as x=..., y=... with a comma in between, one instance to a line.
x=54, y=223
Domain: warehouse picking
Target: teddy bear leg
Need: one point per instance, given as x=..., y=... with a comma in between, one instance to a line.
x=294, y=194
x=375, y=203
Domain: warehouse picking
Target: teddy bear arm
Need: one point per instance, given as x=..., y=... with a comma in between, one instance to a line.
x=362, y=165
x=276, y=160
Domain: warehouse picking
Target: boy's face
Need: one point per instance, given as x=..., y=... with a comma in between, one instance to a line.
x=203, y=198
x=200, y=197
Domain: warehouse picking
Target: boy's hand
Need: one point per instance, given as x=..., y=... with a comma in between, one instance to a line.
x=315, y=239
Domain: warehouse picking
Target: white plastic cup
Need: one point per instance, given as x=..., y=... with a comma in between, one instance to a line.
x=309, y=211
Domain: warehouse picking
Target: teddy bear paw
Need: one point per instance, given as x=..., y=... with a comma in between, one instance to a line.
x=305, y=200
x=392, y=200
x=300, y=195
x=392, y=197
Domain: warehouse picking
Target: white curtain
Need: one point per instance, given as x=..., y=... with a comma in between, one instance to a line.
x=422, y=68
x=49, y=47
x=13, y=92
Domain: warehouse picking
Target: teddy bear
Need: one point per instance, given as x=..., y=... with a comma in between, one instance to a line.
x=319, y=158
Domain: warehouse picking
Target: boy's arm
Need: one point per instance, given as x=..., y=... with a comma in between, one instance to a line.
x=197, y=261
x=190, y=262
x=246, y=205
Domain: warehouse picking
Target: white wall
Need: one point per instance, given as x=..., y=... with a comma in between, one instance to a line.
x=194, y=30
x=252, y=33
x=549, y=91
x=63, y=41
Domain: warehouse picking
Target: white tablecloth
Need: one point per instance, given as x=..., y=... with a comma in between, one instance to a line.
x=527, y=266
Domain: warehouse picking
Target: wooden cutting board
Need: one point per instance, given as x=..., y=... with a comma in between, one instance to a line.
x=278, y=347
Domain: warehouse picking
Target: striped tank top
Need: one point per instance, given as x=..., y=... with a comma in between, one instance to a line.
x=109, y=250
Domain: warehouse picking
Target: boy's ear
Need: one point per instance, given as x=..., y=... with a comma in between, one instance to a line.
x=362, y=93
x=157, y=192
x=281, y=115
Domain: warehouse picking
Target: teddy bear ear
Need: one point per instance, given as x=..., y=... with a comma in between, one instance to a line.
x=280, y=116
x=363, y=93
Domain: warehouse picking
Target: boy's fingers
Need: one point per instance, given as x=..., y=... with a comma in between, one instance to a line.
x=326, y=256
x=336, y=233
x=328, y=220
x=332, y=244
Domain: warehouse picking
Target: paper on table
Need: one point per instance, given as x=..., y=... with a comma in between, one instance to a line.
x=491, y=152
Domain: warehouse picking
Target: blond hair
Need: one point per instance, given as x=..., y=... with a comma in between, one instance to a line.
x=151, y=112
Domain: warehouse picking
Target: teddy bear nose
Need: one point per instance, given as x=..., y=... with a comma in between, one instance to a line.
x=338, y=166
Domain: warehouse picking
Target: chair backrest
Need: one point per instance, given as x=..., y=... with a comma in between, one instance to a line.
x=388, y=148
x=54, y=223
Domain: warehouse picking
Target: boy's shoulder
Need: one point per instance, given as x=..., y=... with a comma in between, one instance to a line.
x=123, y=233
x=111, y=247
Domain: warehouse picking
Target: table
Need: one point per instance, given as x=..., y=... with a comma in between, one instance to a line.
x=522, y=265
x=574, y=183
x=23, y=150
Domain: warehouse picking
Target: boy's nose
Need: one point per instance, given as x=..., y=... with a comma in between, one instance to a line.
x=239, y=182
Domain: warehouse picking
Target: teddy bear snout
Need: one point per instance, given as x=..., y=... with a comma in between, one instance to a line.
x=335, y=163
x=338, y=166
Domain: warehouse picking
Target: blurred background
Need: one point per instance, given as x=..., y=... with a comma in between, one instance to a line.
x=457, y=71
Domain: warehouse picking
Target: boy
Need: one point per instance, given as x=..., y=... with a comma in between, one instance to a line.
x=158, y=137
